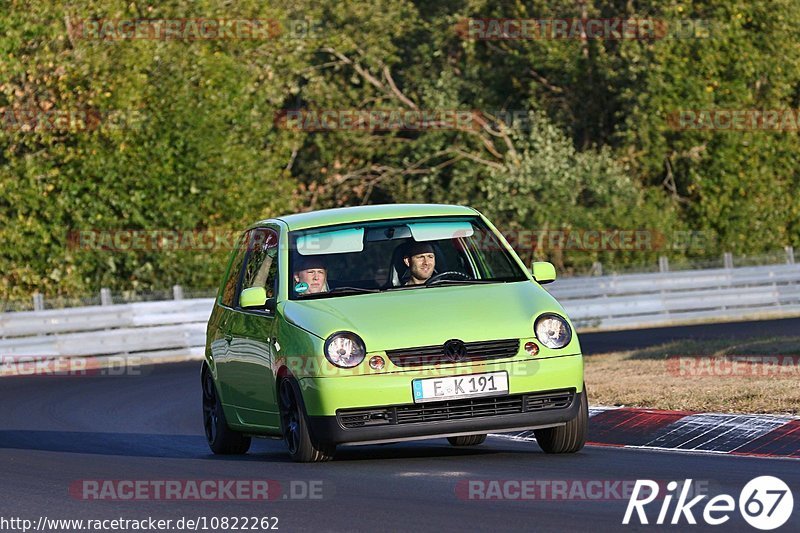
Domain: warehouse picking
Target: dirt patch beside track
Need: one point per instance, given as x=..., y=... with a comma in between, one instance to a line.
x=723, y=376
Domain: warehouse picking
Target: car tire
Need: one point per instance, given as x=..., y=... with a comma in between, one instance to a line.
x=294, y=426
x=570, y=437
x=221, y=439
x=466, y=440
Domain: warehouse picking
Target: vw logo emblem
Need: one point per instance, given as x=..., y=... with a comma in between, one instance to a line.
x=455, y=350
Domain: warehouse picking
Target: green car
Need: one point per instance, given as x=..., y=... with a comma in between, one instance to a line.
x=387, y=323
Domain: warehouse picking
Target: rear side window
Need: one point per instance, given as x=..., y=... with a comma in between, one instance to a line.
x=229, y=290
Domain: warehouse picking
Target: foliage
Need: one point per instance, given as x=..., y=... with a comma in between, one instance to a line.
x=565, y=134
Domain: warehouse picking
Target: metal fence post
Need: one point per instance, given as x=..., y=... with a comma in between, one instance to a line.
x=789, y=255
x=38, y=302
x=105, y=296
x=727, y=259
x=177, y=292
x=597, y=269
x=663, y=264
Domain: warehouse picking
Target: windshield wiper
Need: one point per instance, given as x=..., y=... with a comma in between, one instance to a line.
x=404, y=287
x=340, y=291
x=462, y=282
x=447, y=282
x=352, y=289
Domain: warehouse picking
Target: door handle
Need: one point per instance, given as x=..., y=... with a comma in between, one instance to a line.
x=273, y=341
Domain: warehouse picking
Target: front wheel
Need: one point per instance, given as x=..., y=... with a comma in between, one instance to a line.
x=570, y=437
x=221, y=439
x=466, y=440
x=302, y=448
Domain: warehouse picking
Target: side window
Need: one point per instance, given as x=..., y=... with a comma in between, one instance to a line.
x=229, y=291
x=262, y=262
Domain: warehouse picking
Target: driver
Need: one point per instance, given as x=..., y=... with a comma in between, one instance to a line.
x=311, y=275
x=421, y=262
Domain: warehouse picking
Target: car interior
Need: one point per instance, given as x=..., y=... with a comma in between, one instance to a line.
x=369, y=268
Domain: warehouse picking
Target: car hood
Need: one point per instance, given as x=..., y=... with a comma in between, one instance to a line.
x=427, y=316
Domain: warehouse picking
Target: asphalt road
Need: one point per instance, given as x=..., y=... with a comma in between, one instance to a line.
x=609, y=341
x=59, y=431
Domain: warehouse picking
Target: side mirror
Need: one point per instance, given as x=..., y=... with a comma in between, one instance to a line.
x=543, y=272
x=254, y=297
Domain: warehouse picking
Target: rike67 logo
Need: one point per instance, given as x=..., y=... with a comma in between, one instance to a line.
x=765, y=503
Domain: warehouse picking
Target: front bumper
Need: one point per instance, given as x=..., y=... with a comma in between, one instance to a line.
x=385, y=402
x=450, y=418
x=324, y=396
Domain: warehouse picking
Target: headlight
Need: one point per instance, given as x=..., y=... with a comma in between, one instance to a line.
x=345, y=349
x=552, y=331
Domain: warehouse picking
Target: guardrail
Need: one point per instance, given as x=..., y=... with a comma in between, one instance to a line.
x=147, y=329
x=176, y=328
x=641, y=300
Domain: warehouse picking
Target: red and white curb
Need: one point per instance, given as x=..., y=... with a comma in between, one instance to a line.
x=734, y=434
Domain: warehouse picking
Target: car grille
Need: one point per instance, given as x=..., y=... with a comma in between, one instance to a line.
x=455, y=409
x=434, y=355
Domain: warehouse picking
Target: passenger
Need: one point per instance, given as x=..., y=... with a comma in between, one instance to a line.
x=421, y=262
x=310, y=275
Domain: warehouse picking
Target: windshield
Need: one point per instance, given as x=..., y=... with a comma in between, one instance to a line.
x=397, y=255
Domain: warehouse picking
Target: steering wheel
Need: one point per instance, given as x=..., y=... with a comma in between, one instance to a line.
x=450, y=274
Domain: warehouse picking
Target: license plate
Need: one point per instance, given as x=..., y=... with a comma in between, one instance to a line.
x=450, y=387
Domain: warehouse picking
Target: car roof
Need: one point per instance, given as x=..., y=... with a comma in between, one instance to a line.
x=366, y=213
